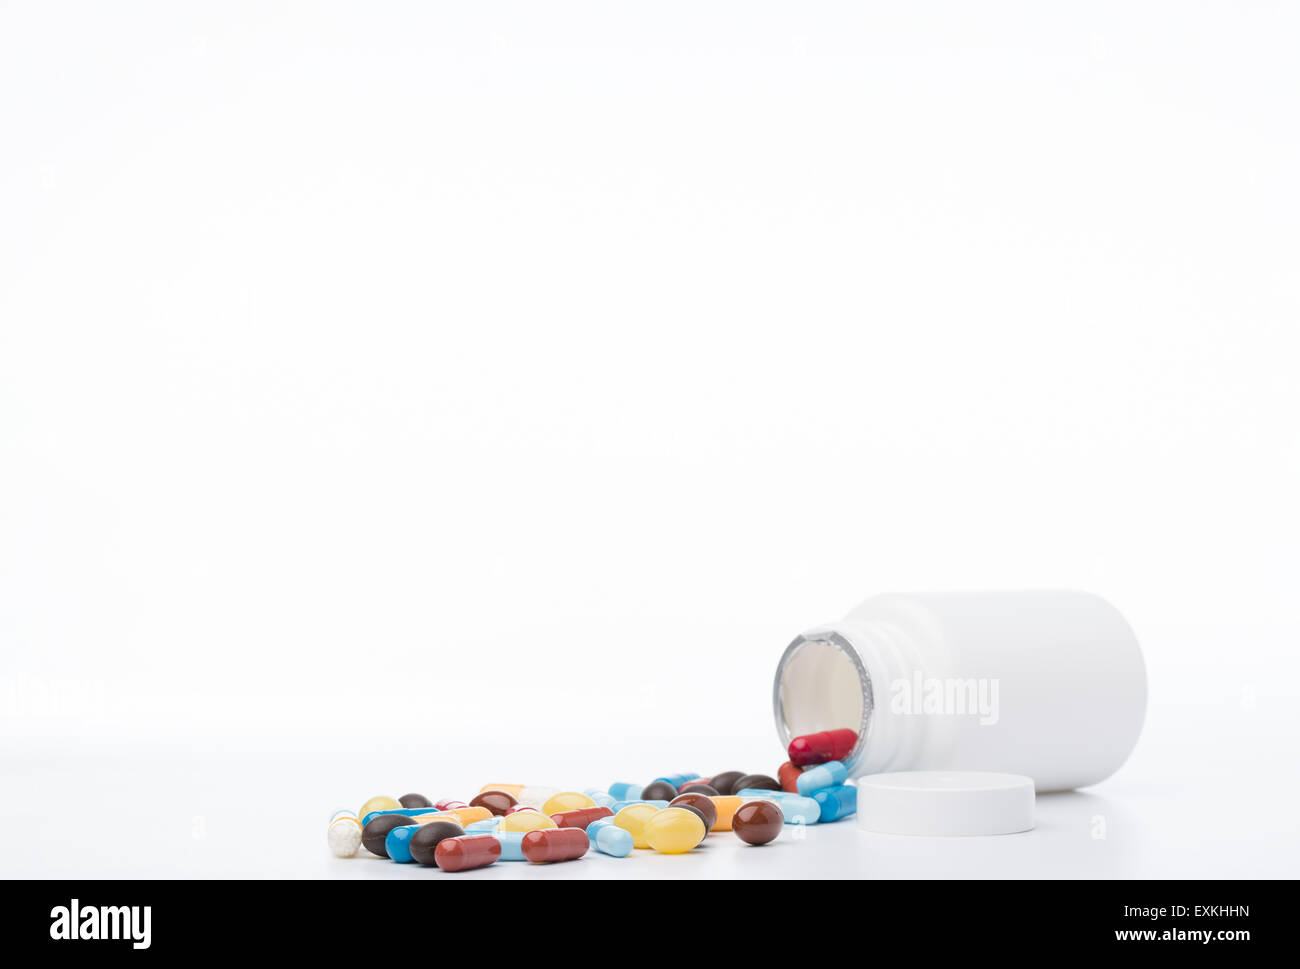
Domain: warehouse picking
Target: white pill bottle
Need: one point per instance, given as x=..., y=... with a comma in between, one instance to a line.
x=1047, y=684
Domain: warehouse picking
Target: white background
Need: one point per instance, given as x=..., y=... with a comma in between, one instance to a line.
x=407, y=396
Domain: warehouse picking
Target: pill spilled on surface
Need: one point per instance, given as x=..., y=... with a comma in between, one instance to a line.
x=674, y=814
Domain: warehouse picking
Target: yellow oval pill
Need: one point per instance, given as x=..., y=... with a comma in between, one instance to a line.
x=566, y=801
x=526, y=821
x=633, y=818
x=380, y=803
x=674, y=831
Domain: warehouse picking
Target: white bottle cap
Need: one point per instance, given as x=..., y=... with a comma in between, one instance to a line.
x=945, y=803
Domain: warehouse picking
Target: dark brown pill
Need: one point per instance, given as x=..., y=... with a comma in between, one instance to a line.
x=376, y=831
x=414, y=801
x=725, y=783
x=708, y=790
x=658, y=791
x=425, y=841
x=498, y=802
x=756, y=782
x=701, y=803
x=757, y=822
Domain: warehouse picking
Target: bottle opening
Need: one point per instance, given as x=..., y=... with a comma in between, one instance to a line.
x=822, y=684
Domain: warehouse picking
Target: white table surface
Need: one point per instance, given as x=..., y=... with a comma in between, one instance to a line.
x=1195, y=801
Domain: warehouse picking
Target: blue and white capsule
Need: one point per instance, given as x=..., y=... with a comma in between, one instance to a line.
x=837, y=802
x=512, y=845
x=486, y=826
x=623, y=791
x=765, y=793
x=609, y=839
x=602, y=798
x=409, y=812
x=814, y=779
x=795, y=808
x=619, y=805
x=676, y=780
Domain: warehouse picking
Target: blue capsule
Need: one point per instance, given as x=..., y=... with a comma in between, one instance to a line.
x=795, y=808
x=619, y=805
x=828, y=774
x=623, y=791
x=409, y=812
x=837, y=802
x=800, y=810
x=486, y=826
x=512, y=845
x=398, y=842
x=676, y=780
x=602, y=798
x=608, y=838
x=762, y=792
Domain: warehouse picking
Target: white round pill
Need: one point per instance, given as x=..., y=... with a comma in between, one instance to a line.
x=344, y=837
x=535, y=797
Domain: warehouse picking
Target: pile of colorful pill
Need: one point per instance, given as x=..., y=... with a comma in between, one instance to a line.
x=672, y=814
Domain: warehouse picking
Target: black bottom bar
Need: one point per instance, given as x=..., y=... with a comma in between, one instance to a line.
x=384, y=918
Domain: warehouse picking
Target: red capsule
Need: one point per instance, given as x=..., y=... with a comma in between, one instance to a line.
x=581, y=817
x=555, y=844
x=818, y=748
x=788, y=775
x=469, y=851
x=449, y=804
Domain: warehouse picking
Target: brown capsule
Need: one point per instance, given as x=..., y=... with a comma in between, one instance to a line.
x=725, y=783
x=658, y=791
x=498, y=802
x=701, y=803
x=424, y=843
x=756, y=782
x=414, y=801
x=376, y=831
x=757, y=822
